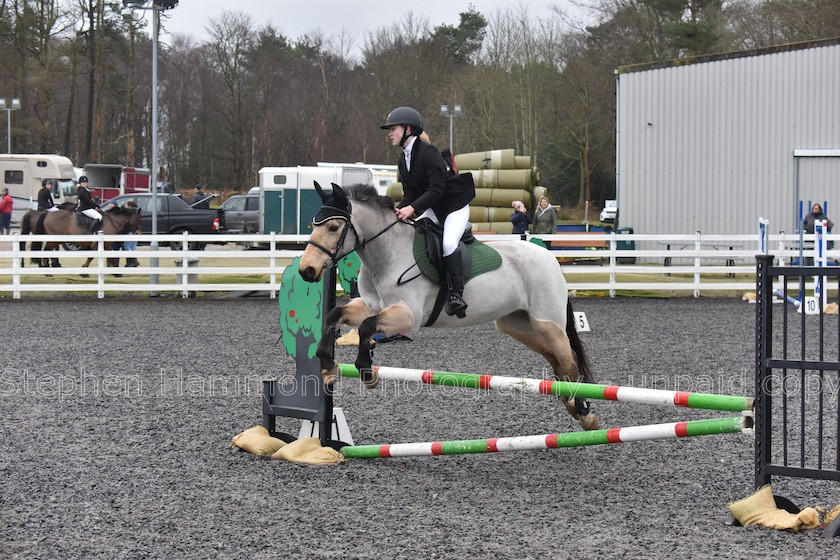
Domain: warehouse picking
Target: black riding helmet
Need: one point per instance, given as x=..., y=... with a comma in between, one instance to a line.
x=405, y=116
x=45, y=182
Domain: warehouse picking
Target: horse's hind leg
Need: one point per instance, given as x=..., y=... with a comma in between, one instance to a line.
x=53, y=246
x=549, y=339
x=394, y=319
x=351, y=314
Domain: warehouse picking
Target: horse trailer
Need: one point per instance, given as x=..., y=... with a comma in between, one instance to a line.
x=288, y=200
x=22, y=175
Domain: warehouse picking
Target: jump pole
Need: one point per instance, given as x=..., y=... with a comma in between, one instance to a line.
x=703, y=401
x=742, y=424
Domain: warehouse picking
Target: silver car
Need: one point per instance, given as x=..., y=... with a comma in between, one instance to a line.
x=242, y=213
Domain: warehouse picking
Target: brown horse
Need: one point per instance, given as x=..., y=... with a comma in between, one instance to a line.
x=116, y=220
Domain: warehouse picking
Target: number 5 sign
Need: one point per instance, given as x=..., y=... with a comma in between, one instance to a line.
x=581, y=324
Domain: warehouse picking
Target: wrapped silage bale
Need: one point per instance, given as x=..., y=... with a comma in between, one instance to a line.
x=479, y=214
x=492, y=159
x=503, y=178
x=505, y=197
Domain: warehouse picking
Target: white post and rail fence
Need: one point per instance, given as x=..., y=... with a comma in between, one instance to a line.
x=690, y=264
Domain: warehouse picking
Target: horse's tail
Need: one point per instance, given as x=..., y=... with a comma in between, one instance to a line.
x=26, y=224
x=584, y=371
x=39, y=227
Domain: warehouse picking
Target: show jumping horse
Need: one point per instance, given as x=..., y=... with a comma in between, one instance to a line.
x=115, y=220
x=526, y=296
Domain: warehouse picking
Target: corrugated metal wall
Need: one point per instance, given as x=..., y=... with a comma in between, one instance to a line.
x=709, y=145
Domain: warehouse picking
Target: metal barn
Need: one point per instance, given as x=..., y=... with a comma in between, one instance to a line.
x=711, y=143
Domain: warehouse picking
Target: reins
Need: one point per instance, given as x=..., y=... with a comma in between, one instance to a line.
x=348, y=225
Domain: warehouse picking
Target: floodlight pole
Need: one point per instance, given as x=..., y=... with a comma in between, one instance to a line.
x=154, y=279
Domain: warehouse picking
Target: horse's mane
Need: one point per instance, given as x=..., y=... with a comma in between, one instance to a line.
x=368, y=194
x=121, y=211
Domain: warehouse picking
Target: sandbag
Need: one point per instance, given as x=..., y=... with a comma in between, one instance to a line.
x=760, y=509
x=257, y=441
x=309, y=452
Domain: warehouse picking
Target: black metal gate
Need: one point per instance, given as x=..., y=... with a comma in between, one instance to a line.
x=797, y=377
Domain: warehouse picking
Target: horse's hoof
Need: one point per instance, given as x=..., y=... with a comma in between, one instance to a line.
x=330, y=376
x=85, y=275
x=370, y=377
x=589, y=422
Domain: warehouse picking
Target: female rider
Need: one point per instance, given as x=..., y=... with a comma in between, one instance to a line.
x=426, y=193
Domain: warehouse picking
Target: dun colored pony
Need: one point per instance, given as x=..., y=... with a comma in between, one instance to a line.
x=116, y=220
x=526, y=296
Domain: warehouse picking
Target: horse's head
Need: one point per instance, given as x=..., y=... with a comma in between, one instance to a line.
x=329, y=232
x=122, y=220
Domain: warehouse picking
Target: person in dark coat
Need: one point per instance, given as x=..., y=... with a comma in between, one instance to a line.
x=520, y=217
x=45, y=199
x=198, y=196
x=428, y=194
x=87, y=205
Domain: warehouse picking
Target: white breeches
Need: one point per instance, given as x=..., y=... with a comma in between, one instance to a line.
x=91, y=213
x=453, y=227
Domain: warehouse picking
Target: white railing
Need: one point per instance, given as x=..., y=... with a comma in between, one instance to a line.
x=693, y=263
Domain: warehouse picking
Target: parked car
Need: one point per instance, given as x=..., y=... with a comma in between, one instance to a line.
x=242, y=213
x=174, y=215
x=610, y=211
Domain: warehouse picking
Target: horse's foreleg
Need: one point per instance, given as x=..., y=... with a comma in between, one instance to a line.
x=549, y=339
x=351, y=314
x=394, y=319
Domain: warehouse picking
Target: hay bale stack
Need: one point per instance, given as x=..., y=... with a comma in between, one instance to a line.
x=500, y=177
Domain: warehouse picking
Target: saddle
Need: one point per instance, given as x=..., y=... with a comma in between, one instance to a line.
x=477, y=258
x=82, y=220
x=433, y=233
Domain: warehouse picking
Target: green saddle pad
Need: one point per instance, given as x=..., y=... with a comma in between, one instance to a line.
x=484, y=258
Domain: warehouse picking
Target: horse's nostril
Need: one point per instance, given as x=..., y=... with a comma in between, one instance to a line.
x=307, y=273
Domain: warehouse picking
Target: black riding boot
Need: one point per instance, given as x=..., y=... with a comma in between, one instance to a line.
x=94, y=226
x=455, y=281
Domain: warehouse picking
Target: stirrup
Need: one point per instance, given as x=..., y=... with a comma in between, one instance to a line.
x=456, y=306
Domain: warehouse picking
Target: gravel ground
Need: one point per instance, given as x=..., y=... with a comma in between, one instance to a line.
x=124, y=452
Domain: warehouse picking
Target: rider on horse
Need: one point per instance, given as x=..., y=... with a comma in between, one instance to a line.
x=87, y=205
x=423, y=173
x=45, y=199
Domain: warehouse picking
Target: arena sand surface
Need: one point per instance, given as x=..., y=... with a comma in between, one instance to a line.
x=117, y=417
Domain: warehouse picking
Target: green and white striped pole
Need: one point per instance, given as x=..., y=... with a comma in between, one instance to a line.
x=552, y=441
x=705, y=401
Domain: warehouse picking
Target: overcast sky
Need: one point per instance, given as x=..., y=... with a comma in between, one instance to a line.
x=295, y=18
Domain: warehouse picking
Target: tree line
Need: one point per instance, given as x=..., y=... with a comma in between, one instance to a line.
x=248, y=96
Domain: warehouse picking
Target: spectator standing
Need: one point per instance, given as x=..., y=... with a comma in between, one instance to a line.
x=815, y=216
x=520, y=218
x=198, y=196
x=545, y=219
x=6, y=205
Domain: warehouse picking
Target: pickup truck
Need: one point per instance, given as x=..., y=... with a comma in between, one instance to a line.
x=174, y=215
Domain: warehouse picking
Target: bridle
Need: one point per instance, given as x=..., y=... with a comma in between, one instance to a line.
x=341, y=214
x=126, y=227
